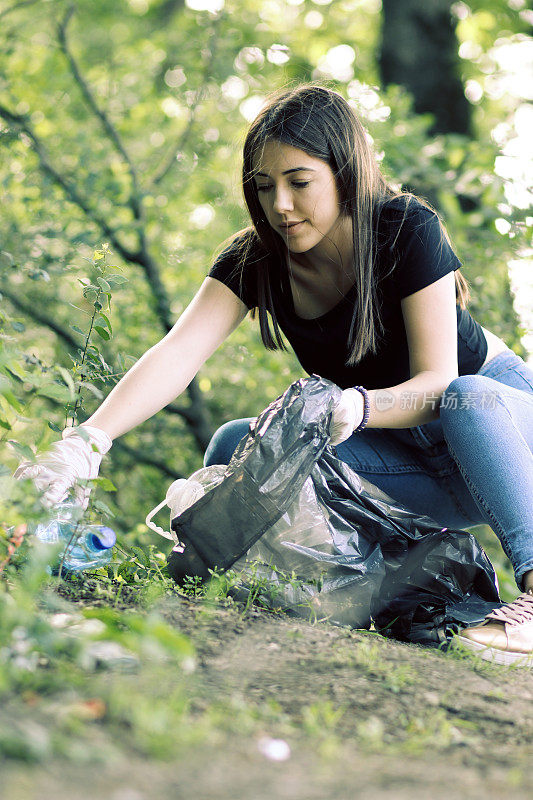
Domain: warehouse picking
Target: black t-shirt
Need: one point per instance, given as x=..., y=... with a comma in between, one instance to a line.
x=412, y=253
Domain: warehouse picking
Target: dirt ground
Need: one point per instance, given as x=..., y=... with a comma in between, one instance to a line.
x=367, y=718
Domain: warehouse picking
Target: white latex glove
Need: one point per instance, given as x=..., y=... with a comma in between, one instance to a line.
x=347, y=415
x=68, y=461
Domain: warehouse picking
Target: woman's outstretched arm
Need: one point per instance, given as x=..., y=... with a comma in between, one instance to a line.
x=167, y=368
x=162, y=373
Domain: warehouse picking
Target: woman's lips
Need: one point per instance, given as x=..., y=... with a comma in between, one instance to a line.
x=291, y=228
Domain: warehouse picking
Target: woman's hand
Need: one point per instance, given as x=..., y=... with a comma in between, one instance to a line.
x=68, y=461
x=347, y=415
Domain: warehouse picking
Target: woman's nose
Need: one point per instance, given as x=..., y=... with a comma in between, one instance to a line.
x=282, y=200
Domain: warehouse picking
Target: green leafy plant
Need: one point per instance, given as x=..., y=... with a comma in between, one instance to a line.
x=18, y=389
x=90, y=365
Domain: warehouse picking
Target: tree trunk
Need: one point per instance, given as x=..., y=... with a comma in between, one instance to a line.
x=419, y=52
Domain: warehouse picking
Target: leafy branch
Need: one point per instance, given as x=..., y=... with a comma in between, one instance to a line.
x=111, y=132
x=35, y=313
x=196, y=415
x=13, y=537
x=99, y=321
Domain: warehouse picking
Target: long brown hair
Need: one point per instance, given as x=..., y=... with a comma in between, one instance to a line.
x=320, y=122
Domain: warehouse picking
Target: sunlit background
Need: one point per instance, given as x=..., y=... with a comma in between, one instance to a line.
x=515, y=164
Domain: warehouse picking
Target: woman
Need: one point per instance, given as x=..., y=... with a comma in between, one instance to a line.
x=363, y=282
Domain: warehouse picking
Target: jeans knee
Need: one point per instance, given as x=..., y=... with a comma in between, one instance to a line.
x=464, y=396
x=224, y=441
x=467, y=383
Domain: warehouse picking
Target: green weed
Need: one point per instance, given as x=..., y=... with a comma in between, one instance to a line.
x=369, y=657
x=320, y=722
x=431, y=730
x=321, y=718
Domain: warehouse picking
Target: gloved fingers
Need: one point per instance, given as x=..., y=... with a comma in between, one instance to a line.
x=346, y=415
x=42, y=476
x=56, y=487
x=68, y=461
x=26, y=470
x=52, y=484
x=55, y=492
x=340, y=434
x=342, y=423
x=64, y=459
x=81, y=495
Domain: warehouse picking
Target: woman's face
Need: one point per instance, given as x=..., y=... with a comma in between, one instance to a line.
x=299, y=197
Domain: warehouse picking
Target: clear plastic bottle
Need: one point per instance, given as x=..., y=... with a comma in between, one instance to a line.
x=91, y=546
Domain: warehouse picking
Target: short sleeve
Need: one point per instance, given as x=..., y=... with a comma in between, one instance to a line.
x=230, y=268
x=424, y=253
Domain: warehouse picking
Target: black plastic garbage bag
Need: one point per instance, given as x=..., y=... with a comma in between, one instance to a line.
x=334, y=546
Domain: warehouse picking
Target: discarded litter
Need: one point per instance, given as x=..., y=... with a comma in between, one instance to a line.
x=285, y=505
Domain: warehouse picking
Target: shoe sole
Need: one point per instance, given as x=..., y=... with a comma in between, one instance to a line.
x=504, y=657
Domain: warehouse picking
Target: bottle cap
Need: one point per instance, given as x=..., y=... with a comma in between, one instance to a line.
x=104, y=537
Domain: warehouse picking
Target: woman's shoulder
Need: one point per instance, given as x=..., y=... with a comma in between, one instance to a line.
x=241, y=249
x=403, y=208
x=401, y=218
x=412, y=245
x=235, y=262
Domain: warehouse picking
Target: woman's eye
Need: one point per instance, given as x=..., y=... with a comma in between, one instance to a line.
x=266, y=187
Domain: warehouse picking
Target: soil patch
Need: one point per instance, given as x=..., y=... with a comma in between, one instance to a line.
x=363, y=716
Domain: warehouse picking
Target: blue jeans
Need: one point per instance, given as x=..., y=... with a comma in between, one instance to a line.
x=473, y=465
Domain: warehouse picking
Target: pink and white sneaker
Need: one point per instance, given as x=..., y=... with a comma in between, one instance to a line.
x=506, y=635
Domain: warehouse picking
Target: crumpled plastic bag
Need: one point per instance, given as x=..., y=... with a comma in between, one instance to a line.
x=330, y=545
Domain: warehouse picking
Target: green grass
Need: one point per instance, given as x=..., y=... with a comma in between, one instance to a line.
x=75, y=651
